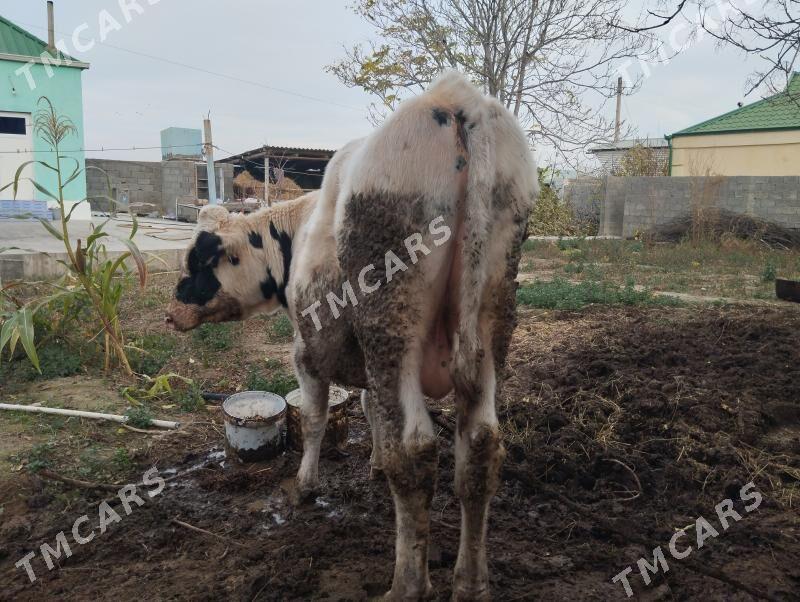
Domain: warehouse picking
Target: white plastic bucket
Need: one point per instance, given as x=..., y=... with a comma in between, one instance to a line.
x=255, y=425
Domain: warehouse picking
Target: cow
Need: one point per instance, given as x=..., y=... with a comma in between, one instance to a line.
x=399, y=276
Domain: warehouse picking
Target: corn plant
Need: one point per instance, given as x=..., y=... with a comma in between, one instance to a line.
x=92, y=278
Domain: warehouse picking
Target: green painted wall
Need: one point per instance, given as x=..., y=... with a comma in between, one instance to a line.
x=65, y=92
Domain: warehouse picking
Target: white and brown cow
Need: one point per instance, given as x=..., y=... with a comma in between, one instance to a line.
x=399, y=276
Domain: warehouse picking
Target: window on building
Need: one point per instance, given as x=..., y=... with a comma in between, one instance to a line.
x=12, y=125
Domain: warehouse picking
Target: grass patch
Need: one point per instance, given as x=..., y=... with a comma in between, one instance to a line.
x=190, y=399
x=38, y=457
x=215, y=337
x=280, y=329
x=278, y=382
x=151, y=353
x=139, y=416
x=561, y=294
x=727, y=268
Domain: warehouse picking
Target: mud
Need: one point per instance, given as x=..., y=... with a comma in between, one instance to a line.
x=646, y=418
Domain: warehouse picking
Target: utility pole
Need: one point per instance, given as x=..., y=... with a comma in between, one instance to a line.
x=267, y=200
x=212, y=175
x=618, y=122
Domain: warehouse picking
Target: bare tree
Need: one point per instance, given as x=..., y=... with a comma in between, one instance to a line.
x=552, y=62
x=769, y=29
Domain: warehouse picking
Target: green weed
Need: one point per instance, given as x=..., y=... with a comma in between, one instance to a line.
x=139, y=416
x=215, y=337
x=280, y=330
x=560, y=294
x=190, y=399
x=151, y=352
x=279, y=383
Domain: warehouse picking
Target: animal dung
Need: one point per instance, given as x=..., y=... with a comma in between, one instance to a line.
x=337, y=429
x=255, y=425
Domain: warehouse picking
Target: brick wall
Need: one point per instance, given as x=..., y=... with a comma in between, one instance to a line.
x=632, y=205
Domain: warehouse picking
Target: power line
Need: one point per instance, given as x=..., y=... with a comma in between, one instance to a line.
x=96, y=150
x=214, y=73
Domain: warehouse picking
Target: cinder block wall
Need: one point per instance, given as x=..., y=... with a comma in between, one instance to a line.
x=638, y=204
x=140, y=179
x=179, y=182
x=585, y=195
x=156, y=182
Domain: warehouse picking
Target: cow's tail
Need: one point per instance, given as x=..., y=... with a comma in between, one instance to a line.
x=475, y=140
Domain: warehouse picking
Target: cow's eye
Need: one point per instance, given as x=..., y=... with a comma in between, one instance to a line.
x=233, y=259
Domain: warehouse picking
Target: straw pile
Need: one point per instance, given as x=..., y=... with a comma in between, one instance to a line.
x=246, y=186
x=726, y=224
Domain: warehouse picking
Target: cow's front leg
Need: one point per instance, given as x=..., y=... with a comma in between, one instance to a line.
x=479, y=454
x=314, y=419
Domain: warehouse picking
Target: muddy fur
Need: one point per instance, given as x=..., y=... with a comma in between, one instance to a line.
x=479, y=474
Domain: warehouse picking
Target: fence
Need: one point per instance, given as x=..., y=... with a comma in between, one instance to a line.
x=637, y=204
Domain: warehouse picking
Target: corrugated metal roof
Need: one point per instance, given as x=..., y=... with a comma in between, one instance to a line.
x=628, y=144
x=16, y=41
x=778, y=112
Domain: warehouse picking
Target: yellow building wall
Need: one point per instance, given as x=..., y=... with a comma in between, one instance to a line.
x=775, y=153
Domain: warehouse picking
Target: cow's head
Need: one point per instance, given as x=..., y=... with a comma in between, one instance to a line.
x=236, y=266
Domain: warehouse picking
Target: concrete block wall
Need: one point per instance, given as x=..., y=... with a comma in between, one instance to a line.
x=141, y=180
x=179, y=181
x=585, y=195
x=637, y=204
x=159, y=183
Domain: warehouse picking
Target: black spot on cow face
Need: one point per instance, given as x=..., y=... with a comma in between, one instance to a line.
x=200, y=286
x=441, y=117
x=461, y=163
x=256, y=240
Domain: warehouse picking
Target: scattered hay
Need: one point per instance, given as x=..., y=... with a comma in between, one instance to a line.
x=726, y=225
x=246, y=186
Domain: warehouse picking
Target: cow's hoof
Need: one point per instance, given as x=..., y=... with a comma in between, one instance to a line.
x=462, y=594
x=404, y=594
x=298, y=493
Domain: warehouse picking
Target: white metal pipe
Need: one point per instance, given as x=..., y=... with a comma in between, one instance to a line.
x=166, y=424
x=51, y=27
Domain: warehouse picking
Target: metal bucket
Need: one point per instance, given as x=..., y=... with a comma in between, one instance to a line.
x=337, y=430
x=255, y=425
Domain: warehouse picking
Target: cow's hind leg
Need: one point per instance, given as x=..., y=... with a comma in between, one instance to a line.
x=409, y=456
x=369, y=407
x=479, y=454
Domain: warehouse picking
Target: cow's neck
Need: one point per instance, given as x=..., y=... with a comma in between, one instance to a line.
x=274, y=229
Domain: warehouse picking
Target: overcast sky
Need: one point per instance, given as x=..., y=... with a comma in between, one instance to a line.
x=130, y=98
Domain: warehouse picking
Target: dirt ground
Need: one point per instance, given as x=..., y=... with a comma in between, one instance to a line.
x=621, y=425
